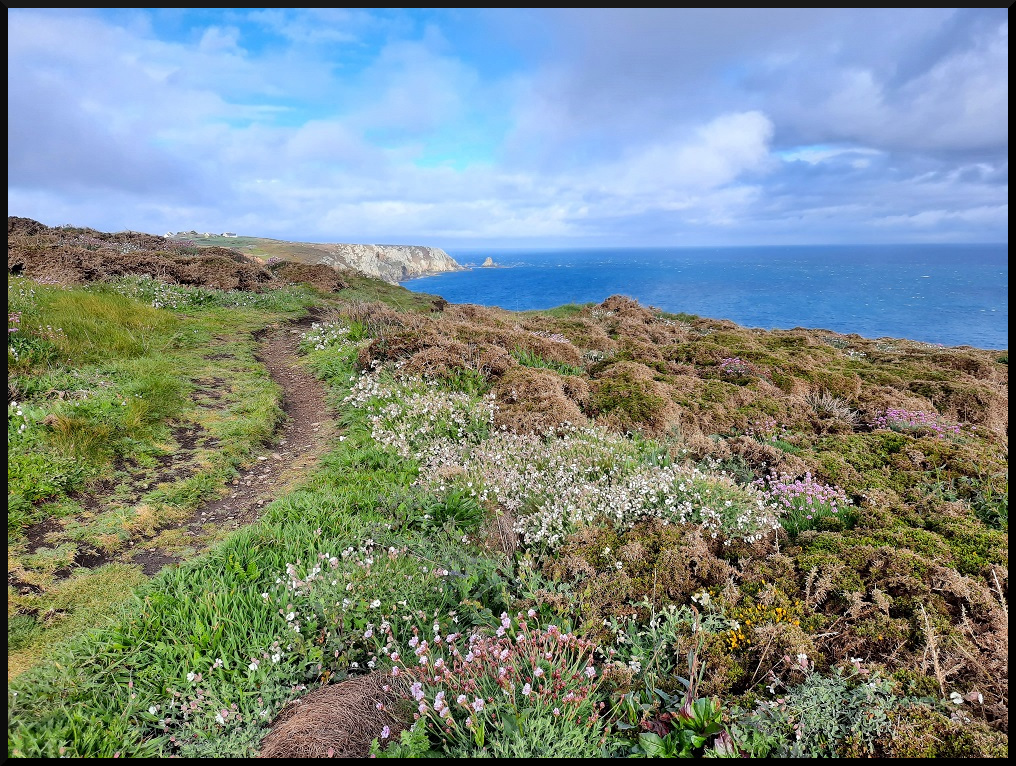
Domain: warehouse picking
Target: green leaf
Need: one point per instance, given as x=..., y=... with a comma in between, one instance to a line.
x=511, y=725
x=652, y=744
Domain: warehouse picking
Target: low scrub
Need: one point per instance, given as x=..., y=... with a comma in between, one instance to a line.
x=597, y=531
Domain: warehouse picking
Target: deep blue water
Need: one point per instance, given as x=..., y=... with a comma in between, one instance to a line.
x=949, y=294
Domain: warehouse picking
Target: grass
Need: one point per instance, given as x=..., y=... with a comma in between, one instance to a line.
x=364, y=288
x=530, y=359
x=187, y=617
x=81, y=602
x=408, y=521
x=560, y=312
x=91, y=381
x=106, y=389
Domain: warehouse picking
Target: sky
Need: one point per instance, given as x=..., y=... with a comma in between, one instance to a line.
x=528, y=128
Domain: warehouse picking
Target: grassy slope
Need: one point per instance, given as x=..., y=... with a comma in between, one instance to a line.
x=107, y=395
x=923, y=502
x=175, y=624
x=266, y=248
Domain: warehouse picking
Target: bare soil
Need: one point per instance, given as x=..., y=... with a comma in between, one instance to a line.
x=299, y=440
x=302, y=437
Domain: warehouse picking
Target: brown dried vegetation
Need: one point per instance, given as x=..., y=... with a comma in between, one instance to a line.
x=858, y=589
x=318, y=275
x=67, y=255
x=337, y=721
x=663, y=563
x=538, y=400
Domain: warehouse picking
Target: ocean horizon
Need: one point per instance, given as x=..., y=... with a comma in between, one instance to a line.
x=946, y=294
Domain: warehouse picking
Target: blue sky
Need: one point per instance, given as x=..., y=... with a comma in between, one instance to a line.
x=515, y=128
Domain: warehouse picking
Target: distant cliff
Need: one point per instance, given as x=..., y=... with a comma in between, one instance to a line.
x=392, y=263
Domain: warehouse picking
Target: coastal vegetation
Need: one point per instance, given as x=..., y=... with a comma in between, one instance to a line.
x=599, y=530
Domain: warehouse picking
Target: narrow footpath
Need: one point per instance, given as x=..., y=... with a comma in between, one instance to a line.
x=301, y=438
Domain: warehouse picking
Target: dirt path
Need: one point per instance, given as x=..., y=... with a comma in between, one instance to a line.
x=301, y=439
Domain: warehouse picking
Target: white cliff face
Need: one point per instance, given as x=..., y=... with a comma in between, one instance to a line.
x=392, y=263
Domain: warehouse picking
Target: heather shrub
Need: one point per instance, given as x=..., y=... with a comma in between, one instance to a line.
x=640, y=574
x=536, y=400
x=627, y=398
x=806, y=503
x=923, y=731
x=737, y=370
x=916, y=422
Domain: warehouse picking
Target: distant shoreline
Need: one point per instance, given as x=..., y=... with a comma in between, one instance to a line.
x=954, y=295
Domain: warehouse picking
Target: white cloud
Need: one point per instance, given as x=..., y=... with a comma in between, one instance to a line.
x=720, y=151
x=994, y=215
x=218, y=39
x=625, y=126
x=412, y=89
x=314, y=26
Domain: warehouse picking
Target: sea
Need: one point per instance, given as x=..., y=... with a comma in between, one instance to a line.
x=945, y=294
